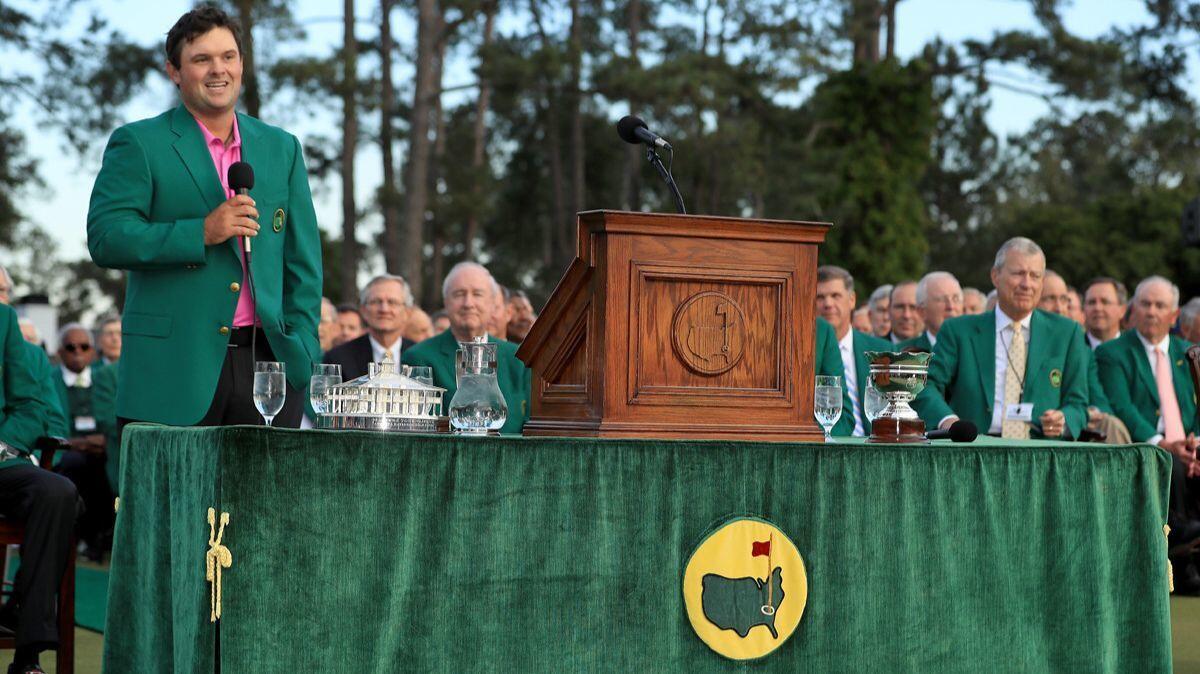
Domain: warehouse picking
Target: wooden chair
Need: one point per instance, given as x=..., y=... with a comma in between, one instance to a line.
x=11, y=533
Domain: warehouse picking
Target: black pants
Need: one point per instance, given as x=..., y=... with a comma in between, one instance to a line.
x=47, y=504
x=88, y=472
x=233, y=402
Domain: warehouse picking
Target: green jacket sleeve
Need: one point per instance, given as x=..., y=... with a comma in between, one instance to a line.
x=931, y=403
x=24, y=415
x=119, y=231
x=1075, y=384
x=302, y=260
x=56, y=417
x=1117, y=375
x=1096, y=396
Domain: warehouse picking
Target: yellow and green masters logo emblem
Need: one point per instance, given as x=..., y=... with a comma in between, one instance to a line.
x=745, y=588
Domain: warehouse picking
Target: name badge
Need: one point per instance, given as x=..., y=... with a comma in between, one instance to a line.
x=1018, y=412
x=84, y=424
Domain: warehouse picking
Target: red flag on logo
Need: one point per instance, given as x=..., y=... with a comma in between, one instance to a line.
x=760, y=549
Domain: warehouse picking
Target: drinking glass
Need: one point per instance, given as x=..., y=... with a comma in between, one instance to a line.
x=827, y=402
x=270, y=389
x=873, y=402
x=421, y=373
x=324, y=377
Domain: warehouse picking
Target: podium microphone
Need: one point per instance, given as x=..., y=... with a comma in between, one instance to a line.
x=633, y=130
x=241, y=179
x=959, y=431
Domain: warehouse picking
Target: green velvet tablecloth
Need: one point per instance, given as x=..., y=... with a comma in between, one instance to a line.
x=357, y=552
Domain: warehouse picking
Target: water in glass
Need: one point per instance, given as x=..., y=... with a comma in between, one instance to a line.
x=269, y=389
x=827, y=402
x=324, y=377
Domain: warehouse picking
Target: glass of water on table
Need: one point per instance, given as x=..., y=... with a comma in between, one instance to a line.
x=827, y=402
x=324, y=378
x=270, y=389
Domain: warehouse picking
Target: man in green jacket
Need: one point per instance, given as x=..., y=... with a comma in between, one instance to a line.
x=1013, y=370
x=45, y=503
x=939, y=297
x=835, y=304
x=469, y=297
x=200, y=309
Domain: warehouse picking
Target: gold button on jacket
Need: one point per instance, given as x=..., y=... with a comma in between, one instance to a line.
x=235, y=286
x=224, y=330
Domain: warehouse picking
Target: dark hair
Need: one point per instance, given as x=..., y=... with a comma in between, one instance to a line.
x=829, y=272
x=349, y=309
x=196, y=23
x=1122, y=293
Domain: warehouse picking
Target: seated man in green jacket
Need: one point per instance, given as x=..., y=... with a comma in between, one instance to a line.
x=1016, y=371
x=44, y=503
x=469, y=297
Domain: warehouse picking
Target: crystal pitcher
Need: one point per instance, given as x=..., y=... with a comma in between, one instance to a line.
x=478, y=405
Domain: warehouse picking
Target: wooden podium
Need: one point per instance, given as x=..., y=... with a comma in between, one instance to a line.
x=679, y=326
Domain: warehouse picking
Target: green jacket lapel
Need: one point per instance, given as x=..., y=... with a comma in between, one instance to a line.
x=985, y=354
x=1141, y=363
x=1041, y=334
x=195, y=157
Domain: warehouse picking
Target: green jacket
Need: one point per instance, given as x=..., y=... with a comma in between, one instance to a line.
x=1129, y=382
x=862, y=344
x=23, y=410
x=962, y=373
x=46, y=373
x=1096, y=396
x=828, y=361
x=155, y=187
x=513, y=377
x=103, y=398
x=919, y=343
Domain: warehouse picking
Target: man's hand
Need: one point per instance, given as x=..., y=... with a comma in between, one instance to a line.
x=1095, y=416
x=947, y=422
x=233, y=218
x=1053, y=423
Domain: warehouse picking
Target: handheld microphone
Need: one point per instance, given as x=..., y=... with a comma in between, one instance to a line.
x=241, y=179
x=959, y=431
x=634, y=131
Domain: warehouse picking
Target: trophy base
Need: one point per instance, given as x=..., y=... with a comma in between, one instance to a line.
x=891, y=430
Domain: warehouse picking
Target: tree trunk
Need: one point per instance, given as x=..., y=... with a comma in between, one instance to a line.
x=250, y=93
x=631, y=198
x=553, y=135
x=578, y=198
x=479, y=131
x=349, y=281
x=429, y=22
x=864, y=22
x=891, y=29
x=436, y=162
x=389, y=195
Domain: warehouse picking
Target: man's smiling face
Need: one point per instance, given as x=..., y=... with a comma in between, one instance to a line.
x=209, y=75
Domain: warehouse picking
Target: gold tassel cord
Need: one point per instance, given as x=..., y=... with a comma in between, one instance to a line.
x=1170, y=568
x=217, y=558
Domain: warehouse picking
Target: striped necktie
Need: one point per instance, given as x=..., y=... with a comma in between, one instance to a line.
x=1012, y=384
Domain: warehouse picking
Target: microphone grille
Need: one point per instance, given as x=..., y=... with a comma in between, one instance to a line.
x=627, y=126
x=963, y=431
x=240, y=176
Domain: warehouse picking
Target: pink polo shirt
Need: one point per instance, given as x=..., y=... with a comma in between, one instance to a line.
x=223, y=157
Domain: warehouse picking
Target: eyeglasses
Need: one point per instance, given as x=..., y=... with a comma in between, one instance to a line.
x=380, y=302
x=82, y=348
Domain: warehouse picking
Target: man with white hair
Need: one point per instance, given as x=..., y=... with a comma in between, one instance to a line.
x=1013, y=370
x=974, y=302
x=469, y=295
x=939, y=297
x=1145, y=374
x=879, y=304
x=1189, y=321
x=386, y=304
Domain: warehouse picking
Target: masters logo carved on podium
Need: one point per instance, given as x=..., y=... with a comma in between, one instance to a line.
x=745, y=588
x=709, y=332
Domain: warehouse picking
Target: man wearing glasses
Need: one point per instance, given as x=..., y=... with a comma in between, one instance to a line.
x=939, y=297
x=386, y=306
x=87, y=393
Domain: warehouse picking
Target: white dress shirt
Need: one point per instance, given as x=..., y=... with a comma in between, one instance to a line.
x=846, y=348
x=82, y=379
x=377, y=350
x=1004, y=335
x=1165, y=345
x=931, y=337
x=1093, y=341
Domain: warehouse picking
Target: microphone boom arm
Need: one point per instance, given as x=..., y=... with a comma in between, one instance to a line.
x=656, y=162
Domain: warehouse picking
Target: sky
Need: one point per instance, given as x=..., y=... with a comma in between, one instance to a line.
x=61, y=207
